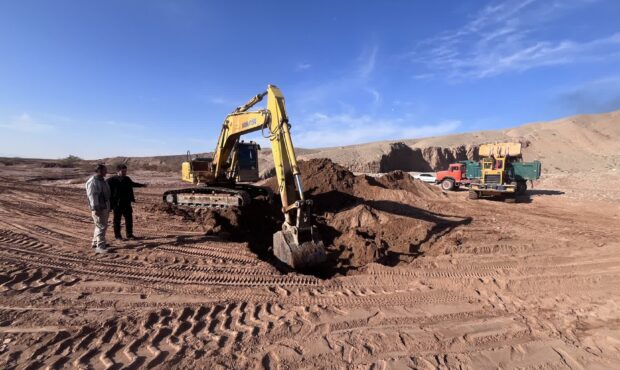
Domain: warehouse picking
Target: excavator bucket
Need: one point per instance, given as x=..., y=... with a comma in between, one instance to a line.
x=299, y=250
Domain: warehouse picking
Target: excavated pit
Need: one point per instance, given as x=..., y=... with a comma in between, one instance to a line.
x=254, y=224
x=361, y=219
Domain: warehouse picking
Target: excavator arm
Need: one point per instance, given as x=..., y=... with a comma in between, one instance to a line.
x=298, y=244
x=242, y=121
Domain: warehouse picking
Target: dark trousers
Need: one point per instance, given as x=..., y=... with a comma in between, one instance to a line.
x=123, y=210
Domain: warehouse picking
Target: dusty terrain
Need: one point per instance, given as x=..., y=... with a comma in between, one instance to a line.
x=456, y=283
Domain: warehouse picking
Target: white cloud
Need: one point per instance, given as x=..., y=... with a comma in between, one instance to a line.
x=126, y=125
x=303, y=66
x=337, y=122
x=423, y=76
x=321, y=130
x=357, y=78
x=375, y=94
x=503, y=37
x=367, y=61
x=26, y=124
x=218, y=100
x=537, y=54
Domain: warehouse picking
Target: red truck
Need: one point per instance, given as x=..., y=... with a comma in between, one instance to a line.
x=457, y=174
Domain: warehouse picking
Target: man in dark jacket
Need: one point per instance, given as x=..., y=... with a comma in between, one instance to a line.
x=121, y=187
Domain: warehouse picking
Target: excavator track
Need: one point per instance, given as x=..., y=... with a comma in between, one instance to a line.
x=237, y=196
x=208, y=197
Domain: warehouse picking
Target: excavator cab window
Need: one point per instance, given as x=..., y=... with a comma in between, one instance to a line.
x=247, y=155
x=247, y=162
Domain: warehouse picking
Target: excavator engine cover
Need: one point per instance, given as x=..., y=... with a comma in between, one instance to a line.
x=299, y=249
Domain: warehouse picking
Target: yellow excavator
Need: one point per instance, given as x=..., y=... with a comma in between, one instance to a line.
x=221, y=180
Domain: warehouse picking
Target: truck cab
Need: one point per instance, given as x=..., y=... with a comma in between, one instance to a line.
x=451, y=178
x=496, y=180
x=494, y=170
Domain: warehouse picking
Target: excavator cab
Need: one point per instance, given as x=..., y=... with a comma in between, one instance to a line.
x=243, y=165
x=244, y=162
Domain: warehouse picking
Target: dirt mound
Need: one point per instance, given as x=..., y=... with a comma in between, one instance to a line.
x=332, y=187
x=322, y=176
x=328, y=184
x=367, y=234
x=363, y=219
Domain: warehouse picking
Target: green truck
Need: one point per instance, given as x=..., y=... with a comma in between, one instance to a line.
x=464, y=173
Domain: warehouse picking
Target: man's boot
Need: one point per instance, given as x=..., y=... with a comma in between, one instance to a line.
x=101, y=250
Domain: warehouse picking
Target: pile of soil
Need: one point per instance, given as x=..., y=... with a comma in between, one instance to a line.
x=360, y=219
x=364, y=234
x=363, y=219
x=322, y=176
x=332, y=187
x=328, y=184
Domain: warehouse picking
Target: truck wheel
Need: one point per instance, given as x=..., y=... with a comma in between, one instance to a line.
x=510, y=199
x=521, y=187
x=473, y=194
x=447, y=184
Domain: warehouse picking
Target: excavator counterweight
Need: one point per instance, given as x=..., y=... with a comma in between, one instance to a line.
x=298, y=244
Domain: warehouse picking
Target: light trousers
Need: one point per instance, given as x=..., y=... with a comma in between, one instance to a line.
x=101, y=225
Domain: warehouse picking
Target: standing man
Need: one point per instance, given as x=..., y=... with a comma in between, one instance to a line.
x=98, y=193
x=122, y=197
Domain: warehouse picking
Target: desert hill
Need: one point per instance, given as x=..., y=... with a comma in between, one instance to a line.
x=573, y=144
x=578, y=143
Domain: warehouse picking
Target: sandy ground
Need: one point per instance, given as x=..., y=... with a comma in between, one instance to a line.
x=532, y=285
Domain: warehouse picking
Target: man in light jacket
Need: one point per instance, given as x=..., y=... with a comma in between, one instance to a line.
x=98, y=193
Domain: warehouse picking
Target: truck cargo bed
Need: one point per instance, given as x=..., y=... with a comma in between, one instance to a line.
x=519, y=171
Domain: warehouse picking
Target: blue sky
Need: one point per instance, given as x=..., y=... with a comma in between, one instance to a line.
x=107, y=78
